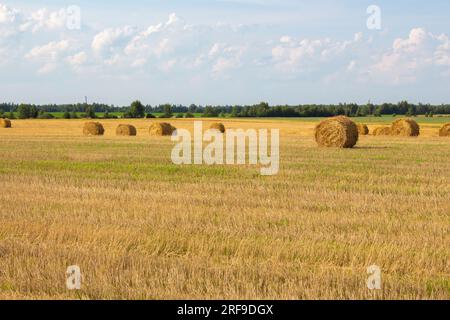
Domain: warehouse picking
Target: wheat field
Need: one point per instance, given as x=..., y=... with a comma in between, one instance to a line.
x=141, y=227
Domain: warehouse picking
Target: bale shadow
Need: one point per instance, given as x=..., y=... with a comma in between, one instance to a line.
x=372, y=147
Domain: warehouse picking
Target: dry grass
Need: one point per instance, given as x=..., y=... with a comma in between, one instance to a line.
x=143, y=228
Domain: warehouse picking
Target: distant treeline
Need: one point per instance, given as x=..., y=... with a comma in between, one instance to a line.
x=263, y=109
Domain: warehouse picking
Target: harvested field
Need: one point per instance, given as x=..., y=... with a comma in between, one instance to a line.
x=141, y=227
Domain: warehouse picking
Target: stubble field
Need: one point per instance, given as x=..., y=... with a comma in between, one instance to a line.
x=141, y=227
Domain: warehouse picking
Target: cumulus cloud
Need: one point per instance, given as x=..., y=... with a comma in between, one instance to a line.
x=45, y=19
x=229, y=57
x=10, y=20
x=171, y=45
x=48, y=55
x=294, y=56
x=108, y=40
x=7, y=15
x=49, y=51
x=412, y=57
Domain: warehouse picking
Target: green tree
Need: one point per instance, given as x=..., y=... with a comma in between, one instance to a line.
x=33, y=112
x=167, y=109
x=192, y=108
x=23, y=111
x=137, y=110
x=66, y=115
x=90, y=112
x=210, y=112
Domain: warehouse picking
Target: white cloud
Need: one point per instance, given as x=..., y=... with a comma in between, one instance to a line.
x=78, y=59
x=8, y=15
x=285, y=39
x=412, y=58
x=145, y=43
x=173, y=19
x=415, y=41
x=10, y=20
x=49, y=54
x=51, y=50
x=47, y=68
x=351, y=66
x=107, y=40
x=219, y=51
x=229, y=58
x=45, y=19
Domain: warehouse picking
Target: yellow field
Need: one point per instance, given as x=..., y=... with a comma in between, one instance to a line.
x=141, y=227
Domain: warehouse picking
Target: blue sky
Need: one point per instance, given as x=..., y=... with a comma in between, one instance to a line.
x=224, y=52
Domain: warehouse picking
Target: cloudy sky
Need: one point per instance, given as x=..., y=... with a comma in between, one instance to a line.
x=224, y=51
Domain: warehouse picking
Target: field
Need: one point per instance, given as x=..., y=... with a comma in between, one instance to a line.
x=141, y=227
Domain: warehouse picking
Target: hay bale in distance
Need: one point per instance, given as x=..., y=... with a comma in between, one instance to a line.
x=339, y=132
x=5, y=123
x=126, y=130
x=218, y=126
x=405, y=128
x=363, y=129
x=382, y=131
x=445, y=130
x=161, y=129
x=93, y=129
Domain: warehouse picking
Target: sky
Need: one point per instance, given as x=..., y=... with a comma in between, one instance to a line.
x=224, y=51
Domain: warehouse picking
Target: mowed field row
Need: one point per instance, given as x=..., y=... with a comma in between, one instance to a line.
x=141, y=227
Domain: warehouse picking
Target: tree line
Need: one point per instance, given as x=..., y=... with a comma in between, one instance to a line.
x=263, y=109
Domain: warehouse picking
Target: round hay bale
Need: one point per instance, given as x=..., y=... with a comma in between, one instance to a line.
x=126, y=130
x=218, y=126
x=445, y=130
x=405, y=128
x=93, y=129
x=338, y=132
x=161, y=129
x=5, y=123
x=382, y=131
x=363, y=129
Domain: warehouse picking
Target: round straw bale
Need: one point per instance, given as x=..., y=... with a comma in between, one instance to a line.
x=338, y=132
x=405, y=128
x=93, y=129
x=161, y=129
x=382, y=131
x=126, y=130
x=218, y=126
x=5, y=123
x=363, y=129
x=445, y=130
